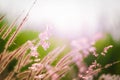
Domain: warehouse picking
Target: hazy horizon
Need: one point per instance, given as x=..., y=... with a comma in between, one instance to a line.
x=76, y=17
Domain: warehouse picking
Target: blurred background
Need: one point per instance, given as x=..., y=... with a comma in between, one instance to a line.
x=71, y=19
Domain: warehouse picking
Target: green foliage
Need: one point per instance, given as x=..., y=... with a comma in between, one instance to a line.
x=22, y=37
x=25, y=35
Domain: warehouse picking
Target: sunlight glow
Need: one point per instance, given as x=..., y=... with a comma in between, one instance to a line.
x=68, y=18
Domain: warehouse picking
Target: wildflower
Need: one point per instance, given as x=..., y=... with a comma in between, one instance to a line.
x=30, y=43
x=45, y=44
x=44, y=36
x=93, y=50
x=109, y=77
x=35, y=66
x=40, y=76
x=106, y=50
x=34, y=52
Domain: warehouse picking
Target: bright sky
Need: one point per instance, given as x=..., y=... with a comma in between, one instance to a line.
x=69, y=17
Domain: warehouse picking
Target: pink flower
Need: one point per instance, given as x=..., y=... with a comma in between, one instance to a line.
x=45, y=45
x=33, y=48
x=30, y=43
x=36, y=66
x=40, y=76
x=34, y=52
x=93, y=50
x=44, y=36
x=107, y=48
x=55, y=76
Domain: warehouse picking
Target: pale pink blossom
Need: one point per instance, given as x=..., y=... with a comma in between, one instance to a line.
x=36, y=66
x=109, y=77
x=55, y=76
x=107, y=48
x=30, y=43
x=40, y=76
x=45, y=45
x=93, y=51
x=34, y=52
x=33, y=68
x=44, y=36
